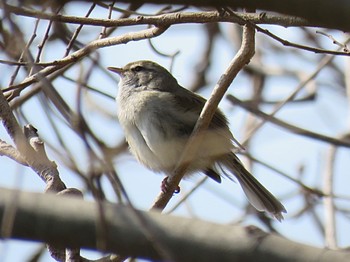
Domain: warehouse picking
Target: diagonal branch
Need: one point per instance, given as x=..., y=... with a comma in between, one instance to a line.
x=77, y=55
x=287, y=126
x=243, y=56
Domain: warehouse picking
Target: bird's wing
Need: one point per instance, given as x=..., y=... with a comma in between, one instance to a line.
x=164, y=130
x=190, y=102
x=193, y=103
x=168, y=126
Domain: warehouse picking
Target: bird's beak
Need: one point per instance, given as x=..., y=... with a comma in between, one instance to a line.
x=117, y=70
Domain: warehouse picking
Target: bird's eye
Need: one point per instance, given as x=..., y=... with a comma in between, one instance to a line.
x=138, y=68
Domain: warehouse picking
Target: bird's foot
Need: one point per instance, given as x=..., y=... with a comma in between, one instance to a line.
x=165, y=186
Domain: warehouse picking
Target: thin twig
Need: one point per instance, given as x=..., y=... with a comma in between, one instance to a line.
x=287, y=126
x=104, y=29
x=323, y=63
x=329, y=209
x=24, y=53
x=44, y=40
x=77, y=31
x=74, y=57
x=335, y=41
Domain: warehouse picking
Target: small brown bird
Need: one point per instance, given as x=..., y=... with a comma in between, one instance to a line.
x=158, y=116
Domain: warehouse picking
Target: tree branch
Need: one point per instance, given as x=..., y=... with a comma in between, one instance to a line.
x=325, y=13
x=170, y=18
x=77, y=55
x=73, y=222
x=243, y=56
x=285, y=125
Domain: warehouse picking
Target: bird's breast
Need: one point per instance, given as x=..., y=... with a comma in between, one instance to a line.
x=146, y=131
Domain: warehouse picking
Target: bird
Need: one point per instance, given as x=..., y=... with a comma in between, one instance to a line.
x=158, y=116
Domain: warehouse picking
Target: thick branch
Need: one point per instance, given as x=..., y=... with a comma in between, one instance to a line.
x=171, y=18
x=73, y=222
x=325, y=13
x=322, y=13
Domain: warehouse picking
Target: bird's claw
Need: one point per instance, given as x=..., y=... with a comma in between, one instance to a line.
x=165, y=186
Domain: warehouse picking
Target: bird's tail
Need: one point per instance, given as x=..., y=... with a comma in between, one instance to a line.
x=256, y=193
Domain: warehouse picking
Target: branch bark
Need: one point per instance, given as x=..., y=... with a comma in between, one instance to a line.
x=243, y=56
x=322, y=13
x=73, y=222
x=325, y=13
x=170, y=18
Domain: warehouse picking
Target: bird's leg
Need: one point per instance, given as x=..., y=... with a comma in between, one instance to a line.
x=165, y=186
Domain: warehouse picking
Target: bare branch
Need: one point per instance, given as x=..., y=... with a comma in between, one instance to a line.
x=330, y=13
x=11, y=152
x=329, y=208
x=171, y=18
x=74, y=57
x=60, y=217
x=243, y=56
x=285, y=125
